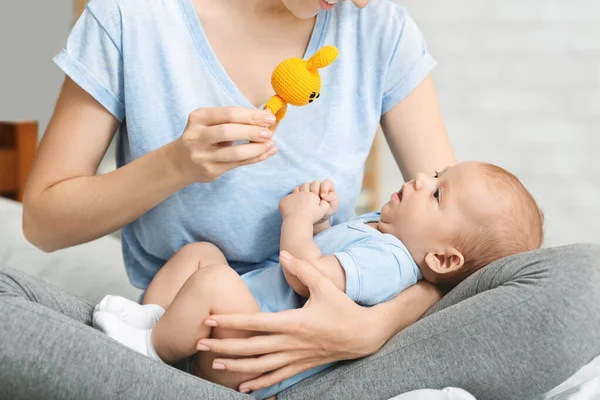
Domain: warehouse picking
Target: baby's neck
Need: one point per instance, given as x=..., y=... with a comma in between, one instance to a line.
x=374, y=225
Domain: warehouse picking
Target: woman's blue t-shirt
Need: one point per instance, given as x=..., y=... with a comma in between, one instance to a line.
x=149, y=63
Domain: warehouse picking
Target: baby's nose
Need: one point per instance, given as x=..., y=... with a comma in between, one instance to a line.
x=422, y=180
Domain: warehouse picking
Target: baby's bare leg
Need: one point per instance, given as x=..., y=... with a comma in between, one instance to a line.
x=213, y=289
x=171, y=277
x=160, y=293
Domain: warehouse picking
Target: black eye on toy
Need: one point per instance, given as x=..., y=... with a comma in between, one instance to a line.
x=312, y=97
x=318, y=95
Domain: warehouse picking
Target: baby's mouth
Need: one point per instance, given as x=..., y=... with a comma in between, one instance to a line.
x=330, y=1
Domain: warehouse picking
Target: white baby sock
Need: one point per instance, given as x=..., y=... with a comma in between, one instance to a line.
x=133, y=314
x=136, y=339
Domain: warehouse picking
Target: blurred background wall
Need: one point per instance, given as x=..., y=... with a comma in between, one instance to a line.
x=31, y=33
x=518, y=82
x=519, y=86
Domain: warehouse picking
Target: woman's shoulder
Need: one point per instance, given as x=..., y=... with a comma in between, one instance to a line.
x=140, y=18
x=139, y=5
x=132, y=10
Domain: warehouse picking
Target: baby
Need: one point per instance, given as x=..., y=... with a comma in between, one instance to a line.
x=439, y=228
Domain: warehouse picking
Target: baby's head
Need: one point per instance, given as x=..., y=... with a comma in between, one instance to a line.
x=464, y=218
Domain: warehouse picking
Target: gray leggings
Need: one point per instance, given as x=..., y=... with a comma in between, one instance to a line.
x=514, y=330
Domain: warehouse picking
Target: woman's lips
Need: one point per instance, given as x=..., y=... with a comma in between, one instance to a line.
x=326, y=6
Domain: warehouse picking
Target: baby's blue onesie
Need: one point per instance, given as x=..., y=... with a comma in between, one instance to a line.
x=377, y=266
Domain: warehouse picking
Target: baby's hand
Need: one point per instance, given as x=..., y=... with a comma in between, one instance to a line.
x=326, y=192
x=303, y=202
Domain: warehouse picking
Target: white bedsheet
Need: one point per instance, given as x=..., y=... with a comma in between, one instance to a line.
x=90, y=270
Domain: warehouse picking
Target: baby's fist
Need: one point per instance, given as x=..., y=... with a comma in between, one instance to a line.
x=303, y=202
x=326, y=192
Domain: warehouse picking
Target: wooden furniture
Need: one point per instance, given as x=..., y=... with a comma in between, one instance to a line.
x=369, y=200
x=79, y=6
x=18, y=141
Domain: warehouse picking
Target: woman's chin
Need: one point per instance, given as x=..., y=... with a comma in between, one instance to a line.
x=303, y=9
x=305, y=14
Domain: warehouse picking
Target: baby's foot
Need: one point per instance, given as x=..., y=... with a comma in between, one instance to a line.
x=134, y=338
x=133, y=314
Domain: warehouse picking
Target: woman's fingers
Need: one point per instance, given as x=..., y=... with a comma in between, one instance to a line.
x=260, y=344
x=230, y=165
x=308, y=275
x=261, y=364
x=281, y=322
x=276, y=376
x=240, y=152
x=235, y=115
x=232, y=132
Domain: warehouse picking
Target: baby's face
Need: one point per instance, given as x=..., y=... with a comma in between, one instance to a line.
x=427, y=213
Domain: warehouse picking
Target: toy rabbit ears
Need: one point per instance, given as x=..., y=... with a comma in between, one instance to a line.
x=323, y=57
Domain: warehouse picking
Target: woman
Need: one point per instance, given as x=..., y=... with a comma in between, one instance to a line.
x=182, y=81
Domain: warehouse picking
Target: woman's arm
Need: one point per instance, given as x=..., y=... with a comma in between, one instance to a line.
x=67, y=204
x=323, y=331
x=415, y=133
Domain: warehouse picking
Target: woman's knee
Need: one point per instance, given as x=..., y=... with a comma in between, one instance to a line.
x=571, y=265
x=577, y=271
x=584, y=257
x=11, y=281
x=553, y=265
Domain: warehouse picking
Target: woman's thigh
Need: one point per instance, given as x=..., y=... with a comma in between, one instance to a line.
x=513, y=330
x=49, y=350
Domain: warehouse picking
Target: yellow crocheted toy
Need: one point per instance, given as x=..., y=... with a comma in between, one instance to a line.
x=297, y=81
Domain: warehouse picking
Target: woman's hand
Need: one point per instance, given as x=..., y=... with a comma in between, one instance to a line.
x=323, y=331
x=205, y=151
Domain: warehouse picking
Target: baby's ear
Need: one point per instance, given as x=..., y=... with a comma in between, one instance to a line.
x=444, y=262
x=323, y=57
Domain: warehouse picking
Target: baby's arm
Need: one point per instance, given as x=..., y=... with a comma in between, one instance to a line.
x=306, y=212
x=297, y=239
x=376, y=270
